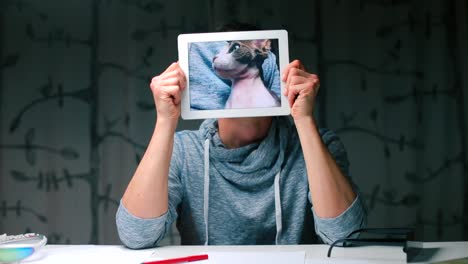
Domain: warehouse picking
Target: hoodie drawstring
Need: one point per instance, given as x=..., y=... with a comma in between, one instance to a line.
x=278, y=215
x=206, y=192
x=206, y=189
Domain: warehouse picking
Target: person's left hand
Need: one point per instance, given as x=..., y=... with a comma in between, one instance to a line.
x=301, y=89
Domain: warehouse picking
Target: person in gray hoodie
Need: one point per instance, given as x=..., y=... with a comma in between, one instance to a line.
x=261, y=180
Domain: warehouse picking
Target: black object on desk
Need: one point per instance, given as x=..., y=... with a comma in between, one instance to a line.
x=393, y=237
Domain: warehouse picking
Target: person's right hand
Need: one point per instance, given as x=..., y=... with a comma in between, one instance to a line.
x=167, y=91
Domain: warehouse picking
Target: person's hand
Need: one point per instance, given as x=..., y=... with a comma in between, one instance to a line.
x=167, y=91
x=301, y=89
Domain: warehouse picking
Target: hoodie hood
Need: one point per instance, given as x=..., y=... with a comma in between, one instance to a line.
x=253, y=165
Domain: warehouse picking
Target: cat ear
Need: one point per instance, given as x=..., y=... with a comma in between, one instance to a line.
x=267, y=45
x=262, y=44
x=262, y=48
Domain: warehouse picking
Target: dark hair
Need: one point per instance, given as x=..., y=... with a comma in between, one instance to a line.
x=236, y=26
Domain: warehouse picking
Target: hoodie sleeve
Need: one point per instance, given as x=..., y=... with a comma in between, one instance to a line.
x=136, y=232
x=355, y=216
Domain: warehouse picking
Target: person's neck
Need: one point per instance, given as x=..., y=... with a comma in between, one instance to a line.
x=238, y=132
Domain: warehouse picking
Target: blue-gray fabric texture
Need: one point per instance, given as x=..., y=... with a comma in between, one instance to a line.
x=207, y=90
x=241, y=193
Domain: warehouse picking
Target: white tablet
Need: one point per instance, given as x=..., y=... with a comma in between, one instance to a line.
x=234, y=74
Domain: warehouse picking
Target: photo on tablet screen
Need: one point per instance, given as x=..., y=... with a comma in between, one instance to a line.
x=234, y=74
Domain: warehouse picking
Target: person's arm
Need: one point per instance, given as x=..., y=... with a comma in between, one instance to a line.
x=146, y=195
x=145, y=202
x=331, y=191
x=355, y=216
x=138, y=232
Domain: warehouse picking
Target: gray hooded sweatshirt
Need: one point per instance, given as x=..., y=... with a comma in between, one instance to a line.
x=256, y=194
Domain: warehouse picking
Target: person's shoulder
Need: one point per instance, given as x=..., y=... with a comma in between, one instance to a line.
x=193, y=135
x=182, y=133
x=332, y=141
x=185, y=141
x=327, y=135
x=186, y=135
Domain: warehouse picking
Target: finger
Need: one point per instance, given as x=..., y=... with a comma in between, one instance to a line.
x=177, y=97
x=297, y=79
x=291, y=98
x=171, y=67
x=303, y=90
x=292, y=95
x=182, y=79
x=286, y=88
x=299, y=72
x=305, y=80
x=169, y=74
x=170, y=81
x=177, y=72
x=168, y=91
x=317, y=84
x=314, y=80
x=296, y=64
x=173, y=93
x=288, y=80
x=300, y=90
x=286, y=72
x=293, y=72
x=164, y=74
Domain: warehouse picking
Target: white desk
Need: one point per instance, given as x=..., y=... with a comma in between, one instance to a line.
x=436, y=251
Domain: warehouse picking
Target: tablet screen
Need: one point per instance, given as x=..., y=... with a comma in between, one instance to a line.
x=233, y=74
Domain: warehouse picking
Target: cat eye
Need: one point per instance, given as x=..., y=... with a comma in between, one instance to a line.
x=234, y=47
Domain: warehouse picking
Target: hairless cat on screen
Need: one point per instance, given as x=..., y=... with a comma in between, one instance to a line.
x=241, y=62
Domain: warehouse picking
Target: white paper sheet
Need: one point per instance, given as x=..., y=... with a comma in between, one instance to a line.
x=87, y=254
x=338, y=261
x=256, y=257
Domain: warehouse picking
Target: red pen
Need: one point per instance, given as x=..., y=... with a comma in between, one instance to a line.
x=178, y=260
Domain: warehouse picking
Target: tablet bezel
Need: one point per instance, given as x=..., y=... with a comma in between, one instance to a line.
x=183, y=41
